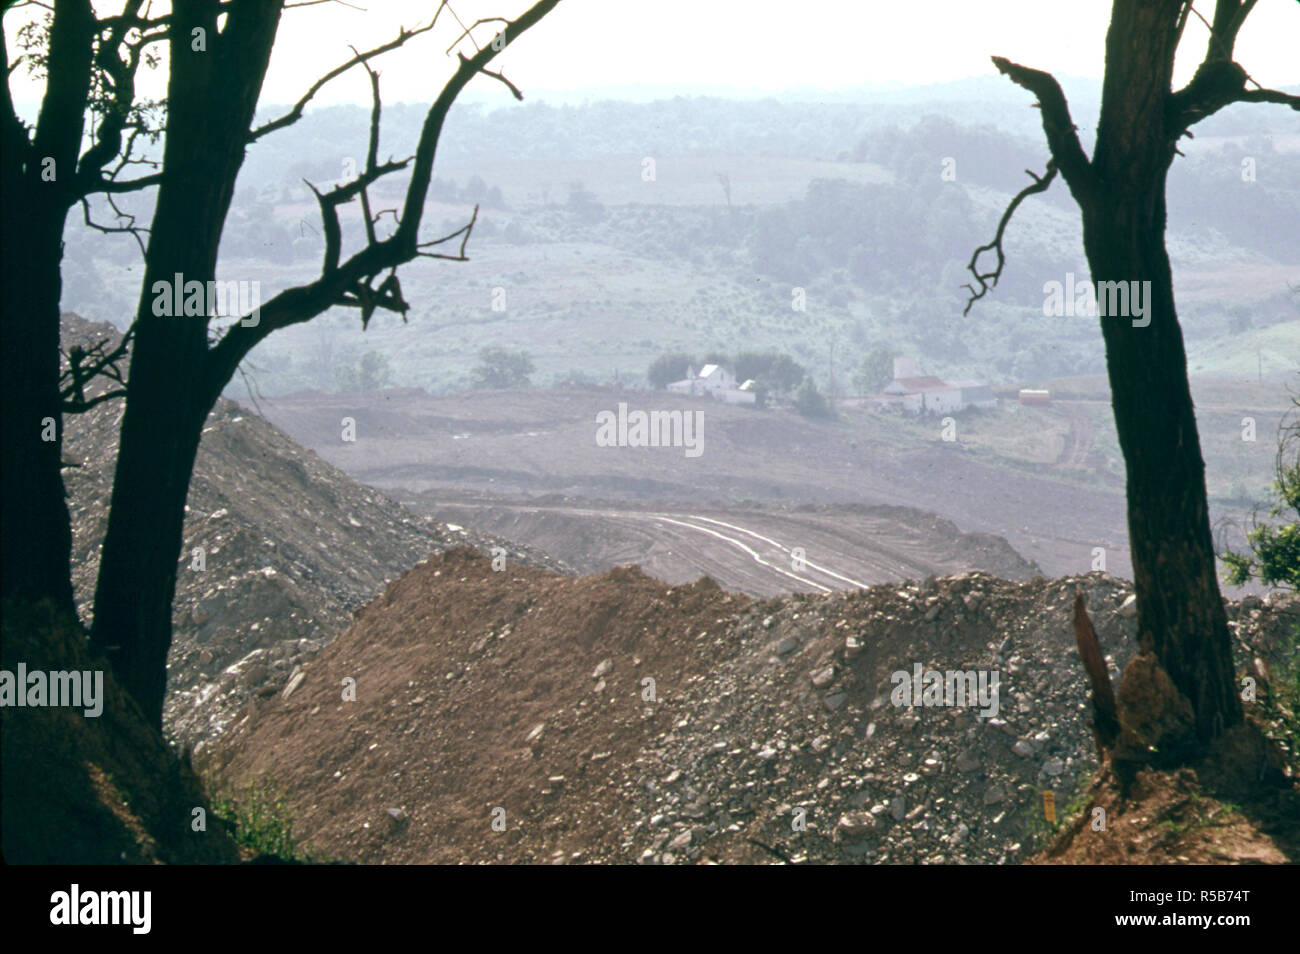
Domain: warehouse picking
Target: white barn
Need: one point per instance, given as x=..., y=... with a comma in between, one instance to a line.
x=926, y=394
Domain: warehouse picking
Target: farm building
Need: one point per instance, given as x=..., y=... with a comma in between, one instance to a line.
x=745, y=394
x=926, y=394
x=716, y=382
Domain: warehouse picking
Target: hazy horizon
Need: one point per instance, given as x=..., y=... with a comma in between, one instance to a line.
x=590, y=48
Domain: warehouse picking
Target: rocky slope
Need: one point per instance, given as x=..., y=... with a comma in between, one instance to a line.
x=771, y=732
x=290, y=548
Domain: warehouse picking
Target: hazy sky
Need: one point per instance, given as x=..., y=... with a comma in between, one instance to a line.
x=749, y=45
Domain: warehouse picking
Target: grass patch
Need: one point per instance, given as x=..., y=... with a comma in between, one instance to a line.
x=259, y=821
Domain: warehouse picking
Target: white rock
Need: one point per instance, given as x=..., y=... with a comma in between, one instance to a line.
x=823, y=677
x=295, y=681
x=857, y=823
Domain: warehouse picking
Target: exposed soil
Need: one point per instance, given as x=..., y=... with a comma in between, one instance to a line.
x=488, y=706
x=1238, y=805
x=519, y=446
x=475, y=690
x=772, y=735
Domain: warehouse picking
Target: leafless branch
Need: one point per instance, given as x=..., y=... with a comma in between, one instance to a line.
x=989, y=280
x=131, y=17
x=315, y=3
x=118, y=57
x=119, y=186
x=346, y=192
x=86, y=364
x=1062, y=134
x=351, y=281
x=469, y=30
x=251, y=387
x=367, y=298
x=1229, y=17
x=1270, y=96
x=372, y=151
x=1219, y=80
x=514, y=90
x=294, y=114
x=130, y=228
x=464, y=233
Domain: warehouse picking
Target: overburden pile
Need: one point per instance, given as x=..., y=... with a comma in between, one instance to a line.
x=521, y=716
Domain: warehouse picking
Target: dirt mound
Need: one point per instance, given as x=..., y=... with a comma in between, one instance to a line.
x=478, y=690
x=102, y=789
x=818, y=763
x=290, y=548
x=797, y=750
x=773, y=732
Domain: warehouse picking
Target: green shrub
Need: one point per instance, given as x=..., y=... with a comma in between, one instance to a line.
x=260, y=821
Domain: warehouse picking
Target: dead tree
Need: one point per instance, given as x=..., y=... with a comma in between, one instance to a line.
x=1120, y=190
x=218, y=53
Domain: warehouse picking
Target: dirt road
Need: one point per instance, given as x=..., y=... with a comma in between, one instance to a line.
x=1078, y=441
x=759, y=551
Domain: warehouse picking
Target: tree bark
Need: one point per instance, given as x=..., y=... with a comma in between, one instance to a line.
x=165, y=410
x=176, y=377
x=1121, y=193
x=35, y=533
x=1180, y=611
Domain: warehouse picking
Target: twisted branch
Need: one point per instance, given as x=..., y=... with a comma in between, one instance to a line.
x=86, y=364
x=989, y=280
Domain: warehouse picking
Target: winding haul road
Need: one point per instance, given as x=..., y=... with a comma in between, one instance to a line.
x=795, y=557
x=759, y=552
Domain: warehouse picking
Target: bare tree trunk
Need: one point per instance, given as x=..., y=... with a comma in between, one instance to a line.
x=1180, y=612
x=1181, y=616
x=37, y=536
x=165, y=411
x=176, y=376
x=1121, y=193
x=36, y=177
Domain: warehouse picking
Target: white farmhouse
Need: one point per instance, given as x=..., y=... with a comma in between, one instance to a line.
x=714, y=381
x=714, y=378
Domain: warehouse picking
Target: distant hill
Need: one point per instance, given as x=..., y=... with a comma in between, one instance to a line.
x=615, y=231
